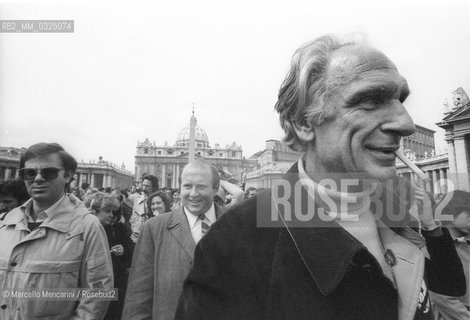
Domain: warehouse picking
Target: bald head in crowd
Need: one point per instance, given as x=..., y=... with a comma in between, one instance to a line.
x=199, y=184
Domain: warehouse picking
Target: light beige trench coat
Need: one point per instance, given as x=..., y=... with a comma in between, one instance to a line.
x=69, y=250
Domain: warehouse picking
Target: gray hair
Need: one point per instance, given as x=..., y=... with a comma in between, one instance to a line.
x=101, y=201
x=304, y=93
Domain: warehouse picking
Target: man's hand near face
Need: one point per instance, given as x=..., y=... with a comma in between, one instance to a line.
x=425, y=208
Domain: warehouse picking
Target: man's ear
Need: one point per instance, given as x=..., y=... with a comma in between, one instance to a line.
x=304, y=132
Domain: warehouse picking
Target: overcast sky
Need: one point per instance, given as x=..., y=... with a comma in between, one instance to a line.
x=132, y=70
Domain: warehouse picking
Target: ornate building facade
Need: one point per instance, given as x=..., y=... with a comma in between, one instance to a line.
x=456, y=124
x=419, y=145
x=167, y=161
x=10, y=162
x=103, y=174
x=272, y=163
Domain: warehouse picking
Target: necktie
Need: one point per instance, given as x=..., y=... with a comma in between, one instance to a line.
x=204, y=226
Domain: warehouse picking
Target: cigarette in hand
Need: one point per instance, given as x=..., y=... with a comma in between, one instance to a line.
x=411, y=165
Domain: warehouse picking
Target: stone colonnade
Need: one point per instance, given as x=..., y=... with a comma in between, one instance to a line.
x=170, y=174
x=459, y=162
x=8, y=172
x=438, y=180
x=99, y=180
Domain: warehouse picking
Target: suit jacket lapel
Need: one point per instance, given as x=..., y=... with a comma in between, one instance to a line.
x=179, y=228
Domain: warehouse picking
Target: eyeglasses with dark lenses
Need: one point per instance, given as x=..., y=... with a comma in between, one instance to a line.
x=47, y=173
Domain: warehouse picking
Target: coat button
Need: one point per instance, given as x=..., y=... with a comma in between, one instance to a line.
x=3, y=306
x=13, y=264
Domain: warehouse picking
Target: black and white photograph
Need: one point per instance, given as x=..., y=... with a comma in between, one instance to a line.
x=235, y=160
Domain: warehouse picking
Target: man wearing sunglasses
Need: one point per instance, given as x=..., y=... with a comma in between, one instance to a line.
x=52, y=242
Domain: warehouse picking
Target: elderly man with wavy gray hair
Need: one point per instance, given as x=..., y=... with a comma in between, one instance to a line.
x=331, y=239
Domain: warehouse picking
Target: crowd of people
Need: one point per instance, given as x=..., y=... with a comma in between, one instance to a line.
x=328, y=242
x=122, y=214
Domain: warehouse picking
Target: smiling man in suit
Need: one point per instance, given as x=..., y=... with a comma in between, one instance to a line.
x=165, y=249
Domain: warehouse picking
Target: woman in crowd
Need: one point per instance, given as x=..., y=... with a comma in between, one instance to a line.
x=107, y=208
x=159, y=203
x=175, y=195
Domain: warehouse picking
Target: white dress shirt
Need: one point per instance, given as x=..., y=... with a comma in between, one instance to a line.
x=195, y=223
x=27, y=208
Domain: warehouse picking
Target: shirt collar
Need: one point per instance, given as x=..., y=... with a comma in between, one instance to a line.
x=192, y=219
x=27, y=208
x=61, y=216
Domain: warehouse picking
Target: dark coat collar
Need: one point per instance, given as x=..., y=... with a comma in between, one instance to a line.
x=326, y=249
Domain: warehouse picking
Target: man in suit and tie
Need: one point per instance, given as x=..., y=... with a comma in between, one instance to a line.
x=165, y=249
